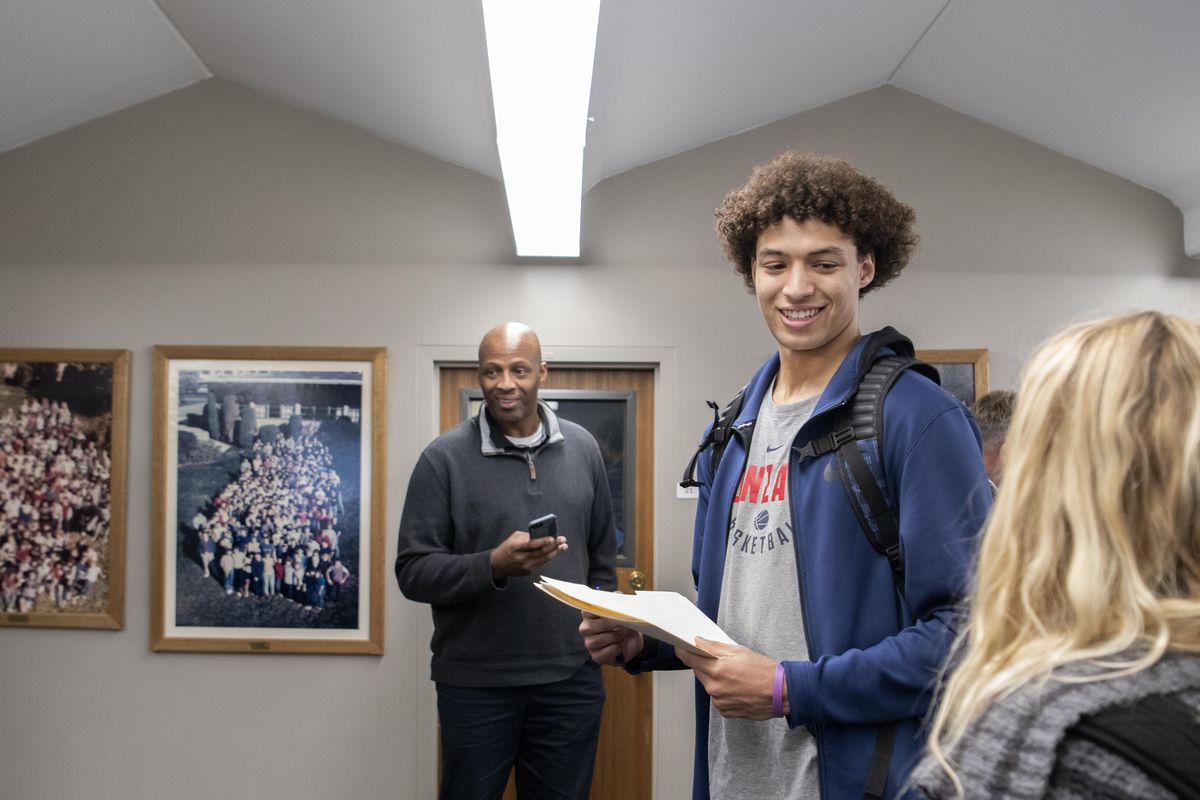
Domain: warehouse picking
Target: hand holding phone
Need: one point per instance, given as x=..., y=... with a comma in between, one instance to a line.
x=523, y=552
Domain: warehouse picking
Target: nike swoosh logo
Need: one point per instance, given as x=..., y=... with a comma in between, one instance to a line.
x=773, y=449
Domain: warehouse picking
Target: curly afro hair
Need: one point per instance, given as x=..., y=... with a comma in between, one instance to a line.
x=818, y=187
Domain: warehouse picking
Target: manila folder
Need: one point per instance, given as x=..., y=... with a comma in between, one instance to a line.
x=667, y=616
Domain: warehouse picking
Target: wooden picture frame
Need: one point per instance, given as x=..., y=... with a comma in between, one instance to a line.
x=964, y=372
x=64, y=438
x=269, y=471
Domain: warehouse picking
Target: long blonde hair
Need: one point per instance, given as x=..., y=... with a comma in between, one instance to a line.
x=1091, y=548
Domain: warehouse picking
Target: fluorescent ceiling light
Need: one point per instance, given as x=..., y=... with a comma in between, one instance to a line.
x=540, y=53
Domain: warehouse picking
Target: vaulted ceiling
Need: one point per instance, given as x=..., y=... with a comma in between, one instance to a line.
x=1114, y=83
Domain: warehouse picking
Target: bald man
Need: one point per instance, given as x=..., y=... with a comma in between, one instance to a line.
x=515, y=684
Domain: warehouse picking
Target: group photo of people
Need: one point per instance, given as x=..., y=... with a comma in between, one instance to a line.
x=274, y=529
x=267, y=533
x=54, y=503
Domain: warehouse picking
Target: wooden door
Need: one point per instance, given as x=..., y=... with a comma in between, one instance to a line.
x=623, y=762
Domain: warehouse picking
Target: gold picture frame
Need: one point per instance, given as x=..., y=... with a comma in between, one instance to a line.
x=64, y=438
x=964, y=372
x=269, y=473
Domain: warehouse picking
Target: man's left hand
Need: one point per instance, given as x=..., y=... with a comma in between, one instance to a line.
x=738, y=680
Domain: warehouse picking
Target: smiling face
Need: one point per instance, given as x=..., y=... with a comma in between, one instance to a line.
x=510, y=371
x=807, y=276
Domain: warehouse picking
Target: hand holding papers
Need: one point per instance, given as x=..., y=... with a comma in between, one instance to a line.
x=667, y=616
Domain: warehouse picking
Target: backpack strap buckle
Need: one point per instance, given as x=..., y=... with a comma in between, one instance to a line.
x=825, y=444
x=839, y=438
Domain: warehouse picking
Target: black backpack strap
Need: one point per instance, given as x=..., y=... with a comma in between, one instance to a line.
x=864, y=486
x=1158, y=734
x=717, y=436
x=881, y=759
x=858, y=428
x=887, y=337
x=876, y=518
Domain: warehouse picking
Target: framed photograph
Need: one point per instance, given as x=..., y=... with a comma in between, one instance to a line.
x=610, y=417
x=64, y=432
x=964, y=372
x=268, y=503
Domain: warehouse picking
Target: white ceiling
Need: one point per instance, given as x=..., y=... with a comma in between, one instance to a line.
x=1114, y=83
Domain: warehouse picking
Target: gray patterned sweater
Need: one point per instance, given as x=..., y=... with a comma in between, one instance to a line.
x=469, y=491
x=1022, y=746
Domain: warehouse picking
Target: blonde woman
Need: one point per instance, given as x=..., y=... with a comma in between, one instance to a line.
x=1087, y=594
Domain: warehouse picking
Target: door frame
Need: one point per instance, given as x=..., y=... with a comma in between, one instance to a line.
x=669, y=706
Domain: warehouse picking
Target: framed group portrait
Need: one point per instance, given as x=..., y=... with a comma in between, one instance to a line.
x=964, y=372
x=268, y=501
x=63, y=458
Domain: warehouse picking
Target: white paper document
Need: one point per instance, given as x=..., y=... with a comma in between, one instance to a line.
x=667, y=616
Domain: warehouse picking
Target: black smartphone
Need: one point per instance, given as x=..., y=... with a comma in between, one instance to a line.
x=543, y=526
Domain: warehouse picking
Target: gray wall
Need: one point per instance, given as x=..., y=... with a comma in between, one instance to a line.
x=217, y=216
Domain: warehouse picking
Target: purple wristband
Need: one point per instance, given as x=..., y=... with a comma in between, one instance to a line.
x=777, y=691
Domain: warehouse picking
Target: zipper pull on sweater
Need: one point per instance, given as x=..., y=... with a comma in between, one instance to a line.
x=532, y=466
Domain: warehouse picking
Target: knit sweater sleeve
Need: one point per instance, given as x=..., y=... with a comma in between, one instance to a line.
x=427, y=568
x=1026, y=746
x=1086, y=771
x=1068, y=769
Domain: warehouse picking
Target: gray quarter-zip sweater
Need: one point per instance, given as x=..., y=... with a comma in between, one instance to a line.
x=469, y=491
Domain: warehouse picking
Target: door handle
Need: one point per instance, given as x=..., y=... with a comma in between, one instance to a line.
x=637, y=581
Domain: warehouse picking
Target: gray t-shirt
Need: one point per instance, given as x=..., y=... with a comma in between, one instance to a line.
x=760, y=609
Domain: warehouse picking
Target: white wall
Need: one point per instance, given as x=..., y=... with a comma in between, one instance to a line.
x=216, y=216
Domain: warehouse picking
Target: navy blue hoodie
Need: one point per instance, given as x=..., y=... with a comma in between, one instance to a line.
x=874, y=655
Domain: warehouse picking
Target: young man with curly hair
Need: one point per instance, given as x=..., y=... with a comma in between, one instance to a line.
x=837, y=654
